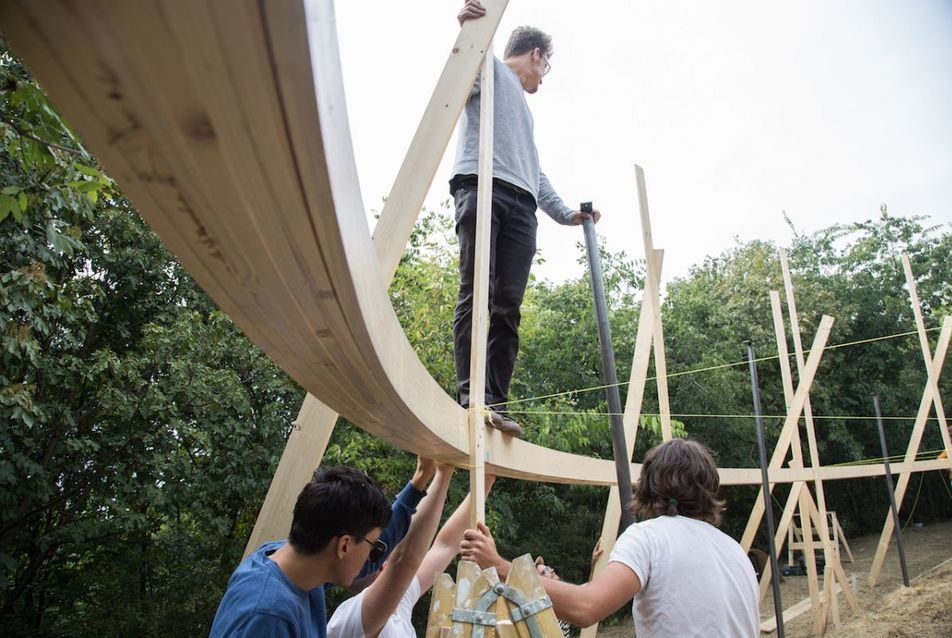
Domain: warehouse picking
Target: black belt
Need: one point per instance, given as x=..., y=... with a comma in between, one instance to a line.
x=459, y=181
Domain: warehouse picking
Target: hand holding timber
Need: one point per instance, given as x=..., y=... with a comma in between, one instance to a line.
x=471, y=10
x=479, y=547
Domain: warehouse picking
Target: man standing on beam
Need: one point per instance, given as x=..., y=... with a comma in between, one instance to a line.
x=519, y=187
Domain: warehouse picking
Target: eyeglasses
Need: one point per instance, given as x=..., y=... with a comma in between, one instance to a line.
x=547, y=67
x=379, y=548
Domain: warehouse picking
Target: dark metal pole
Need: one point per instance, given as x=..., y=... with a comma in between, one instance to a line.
x=897, y=528
x=610, y=374
x=768, y=509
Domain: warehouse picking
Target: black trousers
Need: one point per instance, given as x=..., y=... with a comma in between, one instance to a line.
x=512, y=249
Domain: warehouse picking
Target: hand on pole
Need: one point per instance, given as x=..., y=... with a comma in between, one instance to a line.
x=577, y=217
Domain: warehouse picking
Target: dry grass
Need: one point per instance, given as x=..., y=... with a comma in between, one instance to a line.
x=924, y=609
x=888, y=609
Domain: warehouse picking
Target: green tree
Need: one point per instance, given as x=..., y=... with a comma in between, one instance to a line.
x=851, y=272
x=141, y=428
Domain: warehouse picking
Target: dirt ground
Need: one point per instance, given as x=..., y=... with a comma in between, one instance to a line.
x=886, y=611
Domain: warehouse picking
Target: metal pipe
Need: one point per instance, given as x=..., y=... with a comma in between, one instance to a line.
x=768, y=509
x=610, y=374
x=897, y=528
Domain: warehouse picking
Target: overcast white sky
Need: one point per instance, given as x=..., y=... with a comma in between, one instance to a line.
x=737, y=110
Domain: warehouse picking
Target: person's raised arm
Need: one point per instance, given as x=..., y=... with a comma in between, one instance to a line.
x=581, y=605
x=447, y=542
x=402, y=510
x=383, y=596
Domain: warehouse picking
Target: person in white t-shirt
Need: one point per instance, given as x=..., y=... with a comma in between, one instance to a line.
x=687, y=577
x=385, y=607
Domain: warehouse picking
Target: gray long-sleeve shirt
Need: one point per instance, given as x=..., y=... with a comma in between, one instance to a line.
x=515, y=157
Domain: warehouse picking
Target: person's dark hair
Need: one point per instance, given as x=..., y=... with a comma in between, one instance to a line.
x=525, y=39
x=338, y=500
x=678, y=477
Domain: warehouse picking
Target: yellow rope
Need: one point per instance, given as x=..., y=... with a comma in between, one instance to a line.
x=925, y=455
x=922, y=478
x=718, y=416
x=707, y=369
x=556, y=394
x=622, y=383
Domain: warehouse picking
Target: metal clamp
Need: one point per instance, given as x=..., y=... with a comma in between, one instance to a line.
x=474, y=617
x=523, y=612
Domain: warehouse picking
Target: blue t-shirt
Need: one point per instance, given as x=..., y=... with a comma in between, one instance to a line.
x=262, y=601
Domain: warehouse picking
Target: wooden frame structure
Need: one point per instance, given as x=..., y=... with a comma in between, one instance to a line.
x=813, y=514
x=930, y=398
x=478, y=605
x=650, y=338
x=795, y=537
x=226, y=125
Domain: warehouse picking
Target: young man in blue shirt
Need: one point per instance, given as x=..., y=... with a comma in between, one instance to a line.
x=343, y=526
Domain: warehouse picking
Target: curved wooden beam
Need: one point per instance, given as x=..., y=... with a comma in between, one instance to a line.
x=226, y=125
x=306, y=446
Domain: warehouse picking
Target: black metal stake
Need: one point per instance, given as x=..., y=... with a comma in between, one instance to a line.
x=610, y=374
x=768, y=509
x=897, y=528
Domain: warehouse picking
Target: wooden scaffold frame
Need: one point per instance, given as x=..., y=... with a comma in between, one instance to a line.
x=225, y=124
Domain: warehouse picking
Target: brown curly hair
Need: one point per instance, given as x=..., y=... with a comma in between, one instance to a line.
x=678, y=477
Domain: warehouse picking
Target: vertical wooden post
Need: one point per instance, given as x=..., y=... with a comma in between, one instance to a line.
x=790, y=423
x=636, y=391
x=649, y=315
x=930, y=397
x=798, y=493
x=480, y=310
x=925, y=405
x=807, y=410
x=932, y=378
x=829, y=553
x=653, y=291
x=649, y=323
x=829, y=595
x=315, y=422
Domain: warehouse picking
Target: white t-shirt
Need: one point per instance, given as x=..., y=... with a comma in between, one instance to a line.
x=695, y=580
x=346, y=621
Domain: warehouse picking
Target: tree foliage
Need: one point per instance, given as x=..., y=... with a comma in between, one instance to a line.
x=141, y=428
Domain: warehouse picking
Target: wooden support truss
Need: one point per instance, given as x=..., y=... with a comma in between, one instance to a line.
x=930, y=398
x=226, y=125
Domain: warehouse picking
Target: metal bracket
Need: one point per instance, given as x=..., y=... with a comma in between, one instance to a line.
x=473, y=617
x=525, y=610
